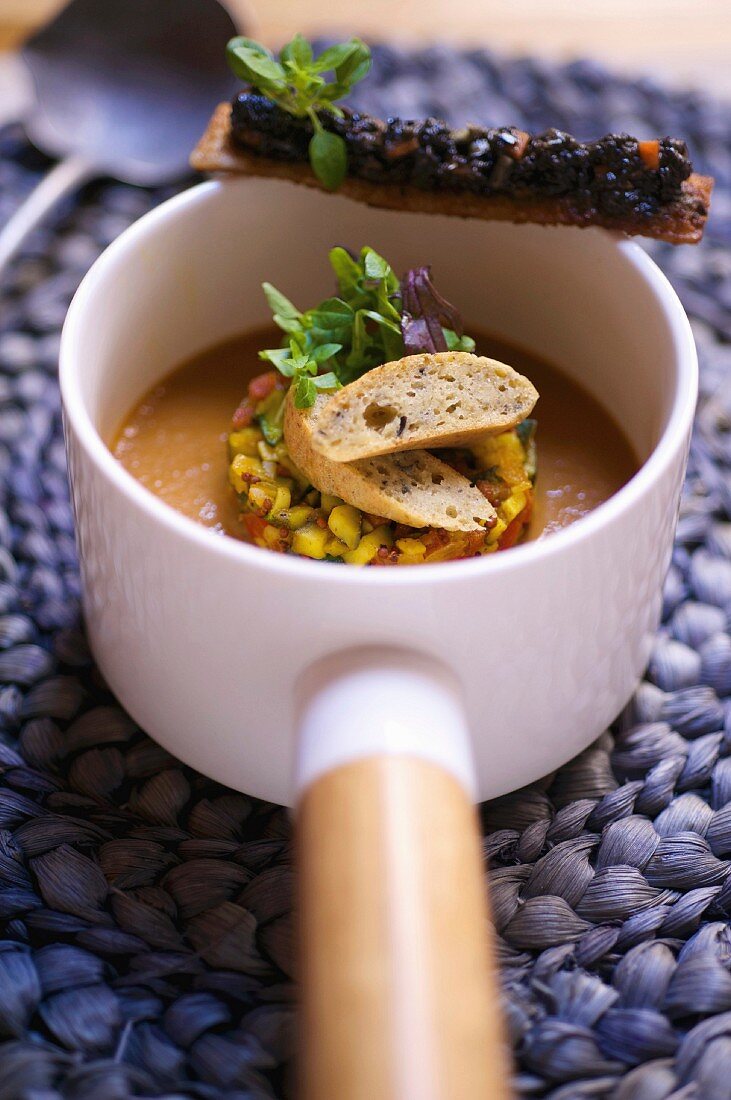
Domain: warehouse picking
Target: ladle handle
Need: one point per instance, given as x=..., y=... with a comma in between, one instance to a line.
x=63, y=178
x=399, y=996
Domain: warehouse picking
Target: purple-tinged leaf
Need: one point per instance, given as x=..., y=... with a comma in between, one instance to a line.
x=425, y=313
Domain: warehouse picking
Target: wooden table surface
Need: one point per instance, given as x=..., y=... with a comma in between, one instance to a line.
x=685, y=41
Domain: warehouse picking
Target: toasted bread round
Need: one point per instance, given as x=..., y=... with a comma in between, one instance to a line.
x=446, y=399
x=413, y=487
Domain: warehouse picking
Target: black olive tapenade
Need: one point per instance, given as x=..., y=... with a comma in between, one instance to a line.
x=636, y=187
x=610, y=175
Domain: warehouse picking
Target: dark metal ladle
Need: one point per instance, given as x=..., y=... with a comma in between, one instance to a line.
x=123, y=88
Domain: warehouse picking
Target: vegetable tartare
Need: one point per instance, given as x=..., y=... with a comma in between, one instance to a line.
x=327, y=347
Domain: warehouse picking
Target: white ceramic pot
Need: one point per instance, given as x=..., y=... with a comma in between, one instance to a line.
x=211, y=643
x=202, y=638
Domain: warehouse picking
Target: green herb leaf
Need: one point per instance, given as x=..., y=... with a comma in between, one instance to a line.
x=374, y=265
x=324, y=352
x=305, y=392
x=253, y=63
x=279, y=358
x=327, y=382
x=348, y=334
x=354, y=67
x=329, y=158
x=333, y=56
x=296, y=84
x=379, y=319
x=278, y=304
x=331, y=314
x=347, y=270
x=271, y=427
x=362, y=327
x=458, y=343
x=302, y=364
x=298, y=51
x=242, y=43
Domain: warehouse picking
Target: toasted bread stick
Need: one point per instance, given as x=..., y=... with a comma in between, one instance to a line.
x=680, y=222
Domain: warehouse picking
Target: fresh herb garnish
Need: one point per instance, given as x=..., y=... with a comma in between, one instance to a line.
x=364, y=326
x=302, y=366
x=344, y=336
x=296, y=83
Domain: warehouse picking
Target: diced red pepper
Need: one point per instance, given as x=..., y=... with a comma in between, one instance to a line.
x=254, y=525
x=264, y=384
x=514, y=530
x=649, y=154
x=243, y=416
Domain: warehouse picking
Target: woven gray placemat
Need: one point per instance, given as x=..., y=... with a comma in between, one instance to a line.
x=146, y=937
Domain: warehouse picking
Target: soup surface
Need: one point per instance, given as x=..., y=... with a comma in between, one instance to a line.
x=174, y=440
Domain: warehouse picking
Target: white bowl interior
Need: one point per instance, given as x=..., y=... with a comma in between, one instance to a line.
x=578, y=297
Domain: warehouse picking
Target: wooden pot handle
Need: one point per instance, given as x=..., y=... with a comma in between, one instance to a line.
x=399, y=998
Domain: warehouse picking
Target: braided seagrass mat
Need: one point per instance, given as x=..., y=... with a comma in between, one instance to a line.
x=145, y=947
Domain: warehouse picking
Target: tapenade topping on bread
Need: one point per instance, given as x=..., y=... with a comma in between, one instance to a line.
x=640, y=187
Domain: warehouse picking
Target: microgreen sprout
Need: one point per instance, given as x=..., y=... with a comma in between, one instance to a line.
x=366, y=325
x=297, y=83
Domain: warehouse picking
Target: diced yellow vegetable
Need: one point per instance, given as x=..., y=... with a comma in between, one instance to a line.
x=244, y=442
x=453, y=548
x=328, y=502
x=495, y=532
x=271, y=487
x=511, y=507
x=345, y=522
x=506, y=452
x=334, y=548
x=266, y=453
x=261, y=497
x=242, y=468
x=311, y=541
x=410, y=550
x=272, y=536
x=369, y=546
x=297, y=516
x=282, y=500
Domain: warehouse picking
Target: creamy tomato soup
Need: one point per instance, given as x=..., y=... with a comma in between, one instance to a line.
x=174, y=440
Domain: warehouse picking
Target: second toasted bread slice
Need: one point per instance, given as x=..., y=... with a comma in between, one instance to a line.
x=415, y=488
x=445, y=399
